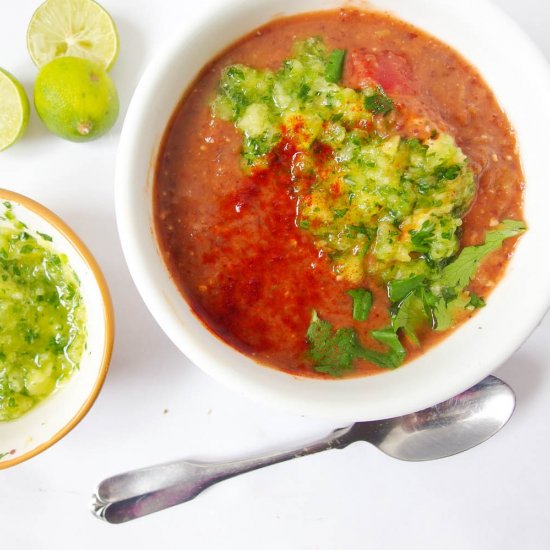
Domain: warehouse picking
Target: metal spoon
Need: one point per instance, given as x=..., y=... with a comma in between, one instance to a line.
x=451, y=427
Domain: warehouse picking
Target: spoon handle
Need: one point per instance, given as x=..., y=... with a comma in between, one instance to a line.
x=140, y=492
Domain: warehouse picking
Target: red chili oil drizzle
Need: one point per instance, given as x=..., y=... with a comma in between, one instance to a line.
x=271, y=280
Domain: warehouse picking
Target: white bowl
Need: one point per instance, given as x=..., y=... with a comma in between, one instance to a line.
x=54, y=417
x=518, y=75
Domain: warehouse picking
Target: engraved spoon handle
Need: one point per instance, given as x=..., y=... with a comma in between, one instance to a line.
x=137, y=493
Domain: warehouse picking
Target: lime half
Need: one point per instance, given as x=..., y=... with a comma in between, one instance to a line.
x=77, y=28
x=14, y=110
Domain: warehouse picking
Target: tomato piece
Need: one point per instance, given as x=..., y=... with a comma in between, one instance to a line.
x=359, y=69
x=390, y=70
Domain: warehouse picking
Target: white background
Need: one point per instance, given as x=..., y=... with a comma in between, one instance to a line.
x=156, y=406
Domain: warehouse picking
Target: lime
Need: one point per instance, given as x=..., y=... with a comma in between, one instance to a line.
x=14, y=110
x=75, y=98
x=78, y=28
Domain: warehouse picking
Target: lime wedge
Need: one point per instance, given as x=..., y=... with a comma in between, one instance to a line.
x=14, y=110
x=76, y=28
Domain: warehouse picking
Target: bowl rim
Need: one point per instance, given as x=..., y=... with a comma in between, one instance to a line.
x=132, y=199
x=109, y=329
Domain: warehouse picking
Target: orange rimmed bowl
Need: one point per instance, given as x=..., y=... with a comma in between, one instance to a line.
x=59, y=413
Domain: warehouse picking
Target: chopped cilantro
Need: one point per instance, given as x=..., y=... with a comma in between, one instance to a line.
x=362, y=303
x=379, y=103
x=439, y=298
x=45, y=236
x=409, y=315
x=335, y=65
x=447, y=172
x=476, y=301
x=423, y=238
x=442, y=316
x=398, y=289
x=334, y=351
x=26, y=249
x=340, y=213
x=396, y=354
x=303, y=91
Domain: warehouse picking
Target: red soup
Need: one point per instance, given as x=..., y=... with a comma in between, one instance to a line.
x=336, y=192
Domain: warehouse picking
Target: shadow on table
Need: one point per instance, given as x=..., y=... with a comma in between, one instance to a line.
x=525, y=372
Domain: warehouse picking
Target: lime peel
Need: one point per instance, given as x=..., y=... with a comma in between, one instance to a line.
x=14, y=110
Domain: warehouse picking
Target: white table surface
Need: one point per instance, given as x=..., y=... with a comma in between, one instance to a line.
x=156, y=406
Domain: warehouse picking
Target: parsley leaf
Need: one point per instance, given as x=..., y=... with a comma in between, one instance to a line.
x=362, y=303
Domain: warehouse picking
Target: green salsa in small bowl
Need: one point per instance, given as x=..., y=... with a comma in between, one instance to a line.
x=56, y=328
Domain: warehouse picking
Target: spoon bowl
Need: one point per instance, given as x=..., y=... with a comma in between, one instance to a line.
x=451, y=427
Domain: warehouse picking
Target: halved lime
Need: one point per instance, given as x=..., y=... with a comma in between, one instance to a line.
x=14, y=110
x=77, y=28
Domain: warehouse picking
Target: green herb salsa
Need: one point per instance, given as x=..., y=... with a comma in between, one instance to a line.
x=42, y=317
x=376, y=202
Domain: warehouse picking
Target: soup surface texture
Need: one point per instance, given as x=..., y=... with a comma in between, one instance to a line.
x=336, y=192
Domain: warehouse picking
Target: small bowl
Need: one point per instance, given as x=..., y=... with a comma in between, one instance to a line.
x=59, y=413
x=466, y=356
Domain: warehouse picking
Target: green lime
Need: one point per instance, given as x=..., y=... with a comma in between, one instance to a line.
x=77, y=28
x=14, y=110
x=75, y=98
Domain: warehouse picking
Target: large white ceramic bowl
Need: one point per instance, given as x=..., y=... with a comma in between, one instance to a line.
x=59, y=413
x=520, y=78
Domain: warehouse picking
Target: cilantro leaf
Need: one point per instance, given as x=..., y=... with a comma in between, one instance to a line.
x=362, y=303
x=409, y=316
x=459, y=272
x=333, y=352
x=396, y=354
x=476, y=301
x=442, y=315
x=446, y=312
x=397, y=290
